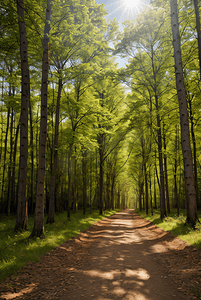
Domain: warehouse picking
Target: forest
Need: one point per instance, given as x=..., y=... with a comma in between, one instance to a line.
x=78, y=132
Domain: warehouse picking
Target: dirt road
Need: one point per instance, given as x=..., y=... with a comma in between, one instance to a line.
x=121, y=257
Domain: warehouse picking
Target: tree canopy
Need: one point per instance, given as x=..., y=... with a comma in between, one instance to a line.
x=103, y=136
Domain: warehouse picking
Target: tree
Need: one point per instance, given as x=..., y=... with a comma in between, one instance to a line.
x=22, y=216
x=38, y=229
x=185, y=134
x=198, y=31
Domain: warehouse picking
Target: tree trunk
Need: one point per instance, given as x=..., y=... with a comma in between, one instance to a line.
x=100, y=142
x=32, y=161
x=38, y=229
x=166, y=174
x=75, y=182
x=13, y=195
x=112, y=191
x=22, y=216
x=91, y=182
x=10, y=166
x=155, y=204
x=185, y=135
x=198, y=31
x=150, y=192
x=176, y=198
x=141, y=185
x=84, y=181
x=51, y=211
x=146, y=190
x=162, y=183
x=118, y=198
x=69, y=182
x=194, y=150
x=4, y=164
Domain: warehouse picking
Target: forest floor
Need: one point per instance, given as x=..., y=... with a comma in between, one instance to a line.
x=120, y=257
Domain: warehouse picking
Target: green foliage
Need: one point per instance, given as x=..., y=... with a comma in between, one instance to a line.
x=176, y=225
x=196, y=292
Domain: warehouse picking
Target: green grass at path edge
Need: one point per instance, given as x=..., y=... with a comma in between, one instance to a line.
x=16, y=249
x=176, y=225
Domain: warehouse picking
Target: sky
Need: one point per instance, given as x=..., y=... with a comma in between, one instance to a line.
x=121, y=10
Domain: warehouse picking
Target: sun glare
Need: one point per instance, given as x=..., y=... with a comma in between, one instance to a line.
x=126, y=9
x=132, y=3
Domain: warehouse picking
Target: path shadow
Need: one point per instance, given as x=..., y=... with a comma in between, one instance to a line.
x=128, y=262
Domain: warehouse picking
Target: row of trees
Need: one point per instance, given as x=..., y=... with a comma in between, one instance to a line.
x=155, y=44
x=72, y=136
x=69, y=114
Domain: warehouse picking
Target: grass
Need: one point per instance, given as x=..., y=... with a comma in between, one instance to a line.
x=176, y=225
x=16, y=249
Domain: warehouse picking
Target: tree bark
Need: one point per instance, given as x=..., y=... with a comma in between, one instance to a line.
x=155, y=204
x=51, y=211
x=146, y=189
x=38, y=229
x=100, y=142
x=10, y=166
x=4, y=165
x=166, y=172
x=176, y=198
x=150, y=192
x=194, y=150
x=162, y=183
x=22, y=215
x=69, y=182
x=198, y=31
x=84, y=181
x=13, y=195
x=185, y=135
x=112, y=191
x=32, y=161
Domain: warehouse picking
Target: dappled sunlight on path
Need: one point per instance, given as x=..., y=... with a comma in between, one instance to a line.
x=120, y=257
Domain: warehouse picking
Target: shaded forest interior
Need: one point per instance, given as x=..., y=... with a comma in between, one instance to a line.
x=78, y=132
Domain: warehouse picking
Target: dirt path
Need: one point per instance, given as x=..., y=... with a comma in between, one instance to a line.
x=121, y=257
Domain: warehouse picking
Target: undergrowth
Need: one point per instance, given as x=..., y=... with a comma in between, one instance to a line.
x=196, y=292
x=176, y=225
x=16, y=249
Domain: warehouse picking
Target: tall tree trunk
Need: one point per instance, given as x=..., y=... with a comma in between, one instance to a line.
x=32, y=161
x=175, y=187
x=146, y=190
x=166, y=172
x=4, y=164
x=38, y=229
x=100, y=142
x=150, y=192
x=10, y=166
x=112, y=191
x=162, y=183
x=75, y=182
x=185, y=135
x=22, y=214
x=69, y=182
x=198, y=31
x=141, y=185
x=13, y=195
x=107, y=198
x=155, y=204
x=118, y=198
x=194, y=150
x=84, y=181
x=91, y=182
x=176, y=199
x=51, y=212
